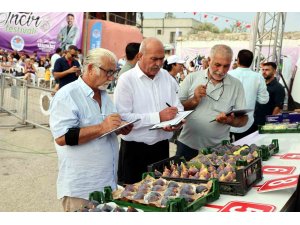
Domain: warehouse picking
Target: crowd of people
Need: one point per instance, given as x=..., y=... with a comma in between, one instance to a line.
x=26, y=65
x=150, y=88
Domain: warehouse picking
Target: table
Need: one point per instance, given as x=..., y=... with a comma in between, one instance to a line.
x=283, y=200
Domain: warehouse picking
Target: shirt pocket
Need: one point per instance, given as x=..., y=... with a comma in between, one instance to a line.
x=223, y=105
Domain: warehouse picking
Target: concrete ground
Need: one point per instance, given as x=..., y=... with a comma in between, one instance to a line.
x=28, y=168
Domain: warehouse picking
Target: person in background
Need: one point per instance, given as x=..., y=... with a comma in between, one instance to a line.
x=29, y=70
x=204, y=64
x=255, y=91
x=191, y=67
x=211, y=93
x=67, y=68
x=276, y=93
x=58, y=53
x=132, y=56
x=174, y=65
x=143, y=93
x=80, y=113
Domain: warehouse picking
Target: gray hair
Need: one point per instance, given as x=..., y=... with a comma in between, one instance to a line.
x=225, y=50
x=95, y=54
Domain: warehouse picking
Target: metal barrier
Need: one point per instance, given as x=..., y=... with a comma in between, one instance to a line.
x=28, y=103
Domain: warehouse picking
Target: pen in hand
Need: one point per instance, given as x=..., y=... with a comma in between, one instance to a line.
x=170, y=106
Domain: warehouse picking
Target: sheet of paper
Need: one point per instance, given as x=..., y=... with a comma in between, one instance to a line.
x=179, y=117
x=123, y=124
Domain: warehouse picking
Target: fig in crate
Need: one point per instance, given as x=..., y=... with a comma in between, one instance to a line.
x=160, y=182
x=143, y=188
x=196, y=176
x=193, y=170
x=188, y=198
x=119, y=209
x=170, y=192
x=131, y=209
x=138, y=196
x=157, y=188
x=166, y=172
x=130, y=187
x=201, y=188
x=187, y=189
x=175, y=174
x=183, y=171
x=152, y=196
x=173, y=184
x=126, y=194
x=157, y=173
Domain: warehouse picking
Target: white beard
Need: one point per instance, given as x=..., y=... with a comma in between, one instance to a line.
x=103, y=87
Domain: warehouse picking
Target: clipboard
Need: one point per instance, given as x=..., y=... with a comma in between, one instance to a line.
x=120, y=127
x=179, y=117
x=237, y=112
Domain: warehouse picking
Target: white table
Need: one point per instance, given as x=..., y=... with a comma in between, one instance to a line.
x=281, y=199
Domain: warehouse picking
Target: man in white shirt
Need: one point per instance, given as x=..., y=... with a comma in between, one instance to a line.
x=79, y=114
x=143, y=93
x=255, y=91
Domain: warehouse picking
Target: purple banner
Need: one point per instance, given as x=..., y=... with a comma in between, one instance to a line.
x=41, y=32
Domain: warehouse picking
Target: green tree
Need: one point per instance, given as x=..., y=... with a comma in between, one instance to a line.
x=207, y=27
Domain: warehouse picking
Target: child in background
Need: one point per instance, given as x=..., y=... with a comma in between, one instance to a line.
x=47, y=75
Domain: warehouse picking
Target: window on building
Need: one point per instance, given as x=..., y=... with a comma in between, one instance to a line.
x=158, y=32
x=174, y=35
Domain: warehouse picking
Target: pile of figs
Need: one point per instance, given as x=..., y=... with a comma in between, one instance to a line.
x=220, y=166
x=94, y=206
x=230, y=149
x=157, y=192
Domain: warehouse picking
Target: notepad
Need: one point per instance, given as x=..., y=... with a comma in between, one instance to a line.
x=123, y=124
x=177, y=120
x=237, y=112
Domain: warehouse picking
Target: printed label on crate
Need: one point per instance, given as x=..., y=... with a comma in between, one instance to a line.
x=295, y=156
x=278, y=170
x=279, y=184
x=237, y=206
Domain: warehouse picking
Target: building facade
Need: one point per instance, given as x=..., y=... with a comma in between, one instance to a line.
x=169, y=29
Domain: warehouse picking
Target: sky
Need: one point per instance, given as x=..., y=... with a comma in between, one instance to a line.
x=292, y=20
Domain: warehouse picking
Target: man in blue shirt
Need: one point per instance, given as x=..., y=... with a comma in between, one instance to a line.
x=80, y=113
x=255, y=91
x=67, y=68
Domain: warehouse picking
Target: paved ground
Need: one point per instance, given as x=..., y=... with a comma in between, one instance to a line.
x=28, y=169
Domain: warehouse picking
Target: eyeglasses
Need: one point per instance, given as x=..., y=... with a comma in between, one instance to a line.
x=110, y=73
x=221, y=93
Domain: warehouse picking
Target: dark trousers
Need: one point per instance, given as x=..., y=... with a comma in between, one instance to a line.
x=186, y=151
x=134, y=157
x=238, y=136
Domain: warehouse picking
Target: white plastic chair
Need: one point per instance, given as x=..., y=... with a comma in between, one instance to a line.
x=40, y=73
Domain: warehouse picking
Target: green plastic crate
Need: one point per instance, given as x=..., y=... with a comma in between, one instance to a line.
x=173, y=205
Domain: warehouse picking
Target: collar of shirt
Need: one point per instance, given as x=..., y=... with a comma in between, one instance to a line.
x=141, y=74
x=88, y=91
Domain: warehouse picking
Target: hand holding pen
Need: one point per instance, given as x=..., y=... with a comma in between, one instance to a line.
x=168, y=113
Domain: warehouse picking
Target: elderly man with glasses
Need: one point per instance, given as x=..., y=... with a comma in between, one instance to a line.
x=80, y=113
x=211, y=93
